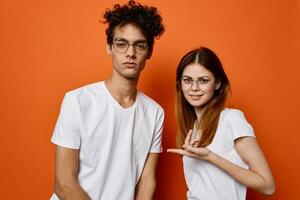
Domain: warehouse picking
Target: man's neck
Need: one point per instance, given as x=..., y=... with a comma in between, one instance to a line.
x=122, y=90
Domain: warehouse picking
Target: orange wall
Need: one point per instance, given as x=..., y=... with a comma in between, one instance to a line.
x=50, y=47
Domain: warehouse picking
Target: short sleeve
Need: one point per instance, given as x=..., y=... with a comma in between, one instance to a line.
x=156, y=146
x=238, y=125
x=67, y=129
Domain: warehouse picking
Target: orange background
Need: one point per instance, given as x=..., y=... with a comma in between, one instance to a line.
x=50, y=47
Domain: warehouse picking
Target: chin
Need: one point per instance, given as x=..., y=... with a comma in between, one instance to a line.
x=132, y=76
x=197, y=103
x=132, y=73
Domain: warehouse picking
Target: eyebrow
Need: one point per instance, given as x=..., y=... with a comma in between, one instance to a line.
x=185, y=76
x=124, y=40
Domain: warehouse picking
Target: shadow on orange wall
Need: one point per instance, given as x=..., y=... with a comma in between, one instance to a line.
x=50, y=47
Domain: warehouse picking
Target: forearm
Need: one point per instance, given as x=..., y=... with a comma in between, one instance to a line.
x=246, y=177
x=145, y=189
x=70, y=191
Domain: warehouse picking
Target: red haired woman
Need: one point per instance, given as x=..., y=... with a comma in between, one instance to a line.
x=221, y=156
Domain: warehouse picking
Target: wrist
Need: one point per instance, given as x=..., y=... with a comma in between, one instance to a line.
x=210, y=156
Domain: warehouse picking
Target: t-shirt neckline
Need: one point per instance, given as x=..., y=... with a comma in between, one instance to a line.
x=114, y=101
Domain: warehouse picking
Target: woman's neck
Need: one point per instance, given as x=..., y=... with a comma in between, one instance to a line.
x=199, y=111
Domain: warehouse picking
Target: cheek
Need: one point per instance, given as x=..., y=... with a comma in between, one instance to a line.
x=142, y=59
x=115, y=58
x=208, y=95
x=185, y=94
x=209, y=89
x=141, y=63
x=185, y=97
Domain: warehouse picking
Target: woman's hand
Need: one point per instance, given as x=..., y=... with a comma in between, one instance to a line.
x=190, y=149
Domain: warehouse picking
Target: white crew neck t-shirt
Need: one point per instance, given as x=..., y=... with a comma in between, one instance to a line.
x=205, y=181
x=113, y=141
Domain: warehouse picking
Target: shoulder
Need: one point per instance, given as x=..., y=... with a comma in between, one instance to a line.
x=86, y=89
x=148, y=102
x=85, y=92
x=230, y=114
x=237, y=125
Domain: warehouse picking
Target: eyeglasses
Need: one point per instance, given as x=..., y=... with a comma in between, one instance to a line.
x=121, y=46
x=187, y=82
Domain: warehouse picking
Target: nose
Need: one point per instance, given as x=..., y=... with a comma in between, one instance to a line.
x=194, y=86
x=130, y=51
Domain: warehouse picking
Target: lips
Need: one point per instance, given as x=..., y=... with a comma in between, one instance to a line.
x=195, y=97
x=129, y=64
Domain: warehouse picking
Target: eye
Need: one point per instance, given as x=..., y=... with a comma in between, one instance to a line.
x=203, y=80
x=121, y=45
x=187, y=80
x=140, y=46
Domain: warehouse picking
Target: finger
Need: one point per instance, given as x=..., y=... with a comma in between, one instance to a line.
x=182, y=152
x=200, y=151
x=174, y=150
x=189, y=154
x=188, y=137
x=191, y=149
x=178, y=151
x=194, y=142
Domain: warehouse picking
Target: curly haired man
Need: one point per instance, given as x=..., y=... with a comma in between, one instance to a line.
x=108, y=134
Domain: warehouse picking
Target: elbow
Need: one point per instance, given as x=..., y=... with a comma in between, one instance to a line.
x=269, y=189
x=62, y=188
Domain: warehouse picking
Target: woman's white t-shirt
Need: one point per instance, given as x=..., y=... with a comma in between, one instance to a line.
x=113, y=141
x=205, y=181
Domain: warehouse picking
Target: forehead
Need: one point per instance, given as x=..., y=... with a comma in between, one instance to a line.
x=196, y=70
x=129, y=32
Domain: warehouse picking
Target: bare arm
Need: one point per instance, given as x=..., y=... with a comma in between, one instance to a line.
x=147, y=183
x=66, y=185
x=258, y=177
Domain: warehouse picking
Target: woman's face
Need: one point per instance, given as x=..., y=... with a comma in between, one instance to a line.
x=198, y=85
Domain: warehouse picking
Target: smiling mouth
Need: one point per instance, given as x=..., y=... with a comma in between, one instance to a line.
x=195, y=97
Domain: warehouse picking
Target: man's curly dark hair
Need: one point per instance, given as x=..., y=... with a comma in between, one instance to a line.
x=147, y=19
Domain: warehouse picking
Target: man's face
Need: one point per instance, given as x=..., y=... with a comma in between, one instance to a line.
x=129, y=51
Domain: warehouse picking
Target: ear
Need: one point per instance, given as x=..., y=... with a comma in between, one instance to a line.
x=218, y=85
x=108, y=49
x=149, y=55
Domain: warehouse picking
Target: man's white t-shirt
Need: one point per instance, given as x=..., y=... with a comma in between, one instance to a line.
x=113, y=141
x=205, y=181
